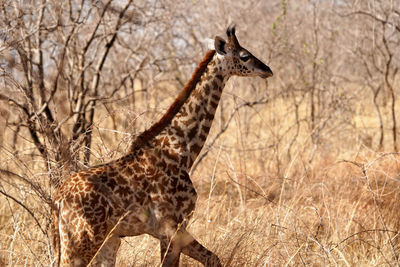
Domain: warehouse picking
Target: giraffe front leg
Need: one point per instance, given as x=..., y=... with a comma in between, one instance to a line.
x=170, y=253
x=107, y=253
x=198, y=252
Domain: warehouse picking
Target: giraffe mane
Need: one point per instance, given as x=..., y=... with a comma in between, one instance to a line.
x=175, y=107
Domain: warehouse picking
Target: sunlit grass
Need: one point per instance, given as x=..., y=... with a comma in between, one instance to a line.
x=328, y=203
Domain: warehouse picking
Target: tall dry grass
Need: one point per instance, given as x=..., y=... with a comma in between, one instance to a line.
x=334, y=213
x=280, y=185
x=320, y=207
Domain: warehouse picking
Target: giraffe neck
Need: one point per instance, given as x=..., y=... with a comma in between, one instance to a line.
x=145, y=137
x=185, y=136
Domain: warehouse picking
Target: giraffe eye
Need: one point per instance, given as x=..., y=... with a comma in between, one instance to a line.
x=244, y=56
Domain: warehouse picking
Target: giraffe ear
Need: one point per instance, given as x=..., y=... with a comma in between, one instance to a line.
x=219, y=45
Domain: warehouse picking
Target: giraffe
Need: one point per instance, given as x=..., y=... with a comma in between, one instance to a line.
x=149, y=191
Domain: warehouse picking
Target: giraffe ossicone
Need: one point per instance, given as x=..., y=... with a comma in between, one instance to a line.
x=149, y=191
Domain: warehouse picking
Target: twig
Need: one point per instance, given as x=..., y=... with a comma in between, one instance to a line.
x=224, y=128
x=26, y=208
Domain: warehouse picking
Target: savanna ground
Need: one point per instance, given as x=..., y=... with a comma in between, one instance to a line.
x=302, y=170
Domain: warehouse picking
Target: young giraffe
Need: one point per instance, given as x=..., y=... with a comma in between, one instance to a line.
x=149, y=191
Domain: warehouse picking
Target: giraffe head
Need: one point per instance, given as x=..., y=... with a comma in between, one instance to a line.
x=238, y=60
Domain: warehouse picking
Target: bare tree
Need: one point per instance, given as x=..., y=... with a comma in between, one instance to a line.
x=377, y=52
x=79, y=77
x=60, y=62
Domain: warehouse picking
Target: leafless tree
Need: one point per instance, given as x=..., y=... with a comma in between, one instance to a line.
x=79, y=77
x=62, y=62
x=376, y=51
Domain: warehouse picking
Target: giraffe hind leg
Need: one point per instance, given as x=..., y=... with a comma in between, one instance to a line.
x=170, y=253
x=107, y=253
x=198, y=252
x=185, y=243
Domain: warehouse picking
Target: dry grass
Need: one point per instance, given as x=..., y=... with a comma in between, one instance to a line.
x=256, y=207
x=331, y=215
x=301, y=179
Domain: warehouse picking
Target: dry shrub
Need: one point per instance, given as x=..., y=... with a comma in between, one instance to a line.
x=293, y=171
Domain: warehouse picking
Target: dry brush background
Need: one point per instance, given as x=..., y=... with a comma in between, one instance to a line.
x=303, y=170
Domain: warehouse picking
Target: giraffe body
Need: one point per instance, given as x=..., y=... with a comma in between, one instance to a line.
x=149, y=191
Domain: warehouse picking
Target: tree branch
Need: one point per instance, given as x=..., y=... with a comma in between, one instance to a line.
x=224, y=128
